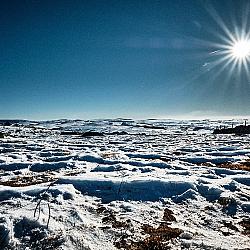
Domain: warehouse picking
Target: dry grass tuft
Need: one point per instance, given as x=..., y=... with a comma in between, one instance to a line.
x=111, y=219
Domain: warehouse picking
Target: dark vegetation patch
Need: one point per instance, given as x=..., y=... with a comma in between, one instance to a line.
x=226, y=201
x=245, y=223
x=229, y=205
x=230, y=225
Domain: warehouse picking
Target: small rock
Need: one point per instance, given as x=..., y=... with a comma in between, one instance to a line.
x=186, y=235
x=168, y=215
x=186, y=243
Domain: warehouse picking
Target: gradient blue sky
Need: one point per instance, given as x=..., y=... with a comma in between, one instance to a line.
x=104, y=59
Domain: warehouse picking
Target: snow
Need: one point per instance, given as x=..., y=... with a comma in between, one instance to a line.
x=143, y=189
x=41, y=167
x=75, y=192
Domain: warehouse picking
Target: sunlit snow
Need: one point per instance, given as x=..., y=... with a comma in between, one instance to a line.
x=87, y=192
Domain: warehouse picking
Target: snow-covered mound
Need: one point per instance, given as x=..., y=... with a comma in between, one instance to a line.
x=108, y=184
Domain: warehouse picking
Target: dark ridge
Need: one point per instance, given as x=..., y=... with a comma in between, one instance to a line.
x=149, y=126
x=70, y=133
x=117, y=133
x=83, y=134
x=92, y=133
x=11, y=122
x=242, y=129
x=199, y=128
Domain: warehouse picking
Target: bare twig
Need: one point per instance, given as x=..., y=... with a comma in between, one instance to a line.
x=38, y=205
x=49, y=216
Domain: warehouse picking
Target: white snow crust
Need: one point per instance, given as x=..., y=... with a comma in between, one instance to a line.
x=56, y=190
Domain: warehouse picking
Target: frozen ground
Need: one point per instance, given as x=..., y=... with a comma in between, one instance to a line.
x=152, y=184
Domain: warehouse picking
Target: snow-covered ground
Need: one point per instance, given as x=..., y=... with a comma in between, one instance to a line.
x=151, y=184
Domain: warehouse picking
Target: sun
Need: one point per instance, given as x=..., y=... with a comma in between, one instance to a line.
x=232, y=54
x=229, y=48
x=241, y=49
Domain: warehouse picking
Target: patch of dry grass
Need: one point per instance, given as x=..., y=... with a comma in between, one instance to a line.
x=28, y=180
x=237, y=166
x=244, y=165
x=157, y=238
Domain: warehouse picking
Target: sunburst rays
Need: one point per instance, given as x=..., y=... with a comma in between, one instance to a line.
x=232, y=52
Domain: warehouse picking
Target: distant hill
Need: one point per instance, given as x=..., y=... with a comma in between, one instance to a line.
x=8, y=122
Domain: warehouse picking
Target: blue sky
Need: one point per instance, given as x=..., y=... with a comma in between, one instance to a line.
x=104, y=59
